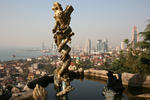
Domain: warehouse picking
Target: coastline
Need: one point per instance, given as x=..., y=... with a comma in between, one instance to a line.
x=8, y=54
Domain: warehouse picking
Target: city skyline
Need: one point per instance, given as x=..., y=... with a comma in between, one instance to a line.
x=28, y=23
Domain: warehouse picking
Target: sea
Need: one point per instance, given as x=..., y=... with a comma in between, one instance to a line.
x=7, y=54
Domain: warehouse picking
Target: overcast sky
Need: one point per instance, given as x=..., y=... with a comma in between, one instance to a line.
x=28, y=23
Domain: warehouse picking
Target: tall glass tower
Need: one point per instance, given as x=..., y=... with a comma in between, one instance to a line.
x=99, y=46
x=134, y=36
x=88, y=46
x=105, y=46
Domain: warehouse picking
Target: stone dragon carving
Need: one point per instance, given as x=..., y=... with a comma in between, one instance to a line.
x=62, y=36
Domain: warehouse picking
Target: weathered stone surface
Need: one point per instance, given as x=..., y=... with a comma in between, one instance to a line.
x=136, y=80
x=42, y=81
x=143, y=96
x=15, y=90
x=26, y=88
x=97, y=73
x=5, y=93
x=39, y=93
x=128, y=79
x=108, y=93
x=62, y=36
x=24, y=96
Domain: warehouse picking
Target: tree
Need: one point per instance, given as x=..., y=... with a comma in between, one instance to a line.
x=135, y=60
x=126, y=41
x=145, y=44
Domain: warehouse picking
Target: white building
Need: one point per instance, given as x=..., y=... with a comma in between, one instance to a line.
x=88, y=46
x=123, y=45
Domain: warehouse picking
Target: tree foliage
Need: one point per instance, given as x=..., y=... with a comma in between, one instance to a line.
x=145, y=44
x=126, y=41
x=135, y=60
x=85, y=64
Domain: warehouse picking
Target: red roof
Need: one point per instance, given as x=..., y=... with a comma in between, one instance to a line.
x=72, y=64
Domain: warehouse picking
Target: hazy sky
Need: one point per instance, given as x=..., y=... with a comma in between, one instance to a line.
x=27, y=23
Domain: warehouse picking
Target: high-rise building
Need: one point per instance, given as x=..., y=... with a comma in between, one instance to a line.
x=54, y=49
x=102, y=46
x=88, y=46
x=105, y=46
x=134, y=36
x=123, y=45
x=99, y=46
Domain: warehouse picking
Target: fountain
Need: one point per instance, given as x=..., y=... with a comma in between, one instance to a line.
x=63, y=80
x=62, y=76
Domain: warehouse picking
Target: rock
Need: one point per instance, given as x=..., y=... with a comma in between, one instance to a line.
x=1, y=90
x=42, y=81
x=136, y=80
x=80, y=70
x=26, y=88
x=6, y=94
x=129, y=79
x=114, y=87
x=15, y=90
x=115, y=83
x=96, y=73
x=108, y=93
x=143, y=96
x=39, y=93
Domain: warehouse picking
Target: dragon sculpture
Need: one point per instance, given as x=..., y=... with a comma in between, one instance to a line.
x=62, y=36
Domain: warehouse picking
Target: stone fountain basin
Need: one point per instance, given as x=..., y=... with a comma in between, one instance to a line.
x=88, y=88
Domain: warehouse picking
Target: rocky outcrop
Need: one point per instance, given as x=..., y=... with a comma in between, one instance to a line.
x=134, y=80
x=15, y=90
x=96, y=73
x=25, y=96
x=42, y=81
x=5, y=93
